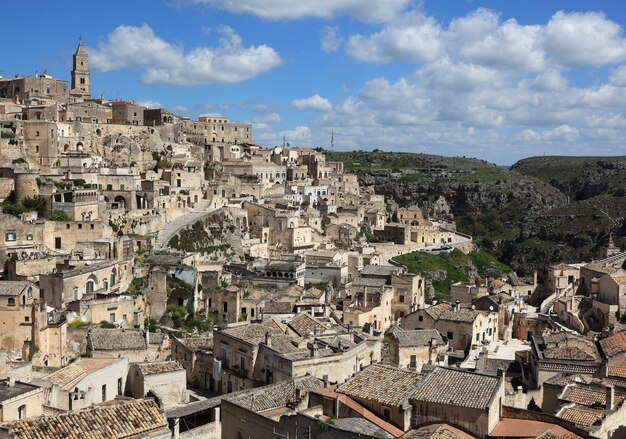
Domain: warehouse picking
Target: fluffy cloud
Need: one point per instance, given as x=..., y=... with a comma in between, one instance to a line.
x=330, y=39
x=374, y=11
x=315, y=102
x=150, y=104
x=298, y=134
x=164, y=63
x=414, y=38
x=577, y=39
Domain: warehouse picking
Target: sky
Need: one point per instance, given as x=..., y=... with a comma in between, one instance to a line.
x=498, y=80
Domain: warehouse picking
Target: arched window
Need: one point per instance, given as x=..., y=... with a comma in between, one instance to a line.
x=90, y=286
x=112, y=278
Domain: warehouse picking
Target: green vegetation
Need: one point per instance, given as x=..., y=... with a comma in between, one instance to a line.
x=447, y=268
x=136, y=285
x=369, y=235
x=58, y=215
x=107, y=325
x=29, y=204
x=185, y=320
x=18, y=160
x=78, y=324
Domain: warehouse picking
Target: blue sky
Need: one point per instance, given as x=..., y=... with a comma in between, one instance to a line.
x=499, y=80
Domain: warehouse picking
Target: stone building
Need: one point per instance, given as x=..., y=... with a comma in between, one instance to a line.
x=195, y=354
x=467, y=400
x=164, y=380
x=411, y=349
x=19, y=400
x=385, y=391
x=561, y=351
x=85, y=382
x=81, y=78
x=141, y=419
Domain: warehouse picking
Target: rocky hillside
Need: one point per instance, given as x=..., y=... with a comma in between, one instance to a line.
x=524, y=215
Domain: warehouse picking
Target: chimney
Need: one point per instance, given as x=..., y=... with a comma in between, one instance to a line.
x=313, y=349
x=11, y=382
x=457, y=305
x=610, y=398
x=520, y=390
x=268, y=339
x=325, y=379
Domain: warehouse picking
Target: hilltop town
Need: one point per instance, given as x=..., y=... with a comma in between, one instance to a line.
x=164, y=277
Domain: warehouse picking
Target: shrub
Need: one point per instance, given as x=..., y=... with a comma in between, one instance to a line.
x=107, y=325
x=78, y=324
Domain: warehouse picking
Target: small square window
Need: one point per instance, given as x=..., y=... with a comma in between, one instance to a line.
x=29, y=237
x=10, y=236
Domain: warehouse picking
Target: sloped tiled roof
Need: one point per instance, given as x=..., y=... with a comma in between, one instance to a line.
x=614, y=344
x=418, y=337
x=159, y=367
x=71, y=374
x=587, y=396
x=195, y=344
x=580, y=416
x=304, y=325
x=14, y=288
x=116, y=340
x=436, y=310
x=362, y=427
x=105, y=421
x=276, y=307
x=253, y=333
x=567, y=353
x=274, y=395
x=385, y=384
x=457, y=388
x=436, y=431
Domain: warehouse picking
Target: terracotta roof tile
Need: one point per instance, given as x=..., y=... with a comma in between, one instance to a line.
x=580, y=416
x=385, y=384
x=457, y=388
x=105, y=421
x=614, y=344
x=159, y=367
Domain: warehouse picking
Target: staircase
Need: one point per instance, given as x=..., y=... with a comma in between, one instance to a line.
x=201, y=210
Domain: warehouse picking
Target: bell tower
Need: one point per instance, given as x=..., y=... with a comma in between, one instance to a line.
x=80, y=72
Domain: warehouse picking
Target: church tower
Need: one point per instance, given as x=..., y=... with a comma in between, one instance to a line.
x=80, y=72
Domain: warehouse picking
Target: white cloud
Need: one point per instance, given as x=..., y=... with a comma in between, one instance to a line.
x=413, y=38
x=577, y=39
x=268, y=118
x=330, y=39
x=150, y=104
x=315, y=102
x=374, y=11
x=480, y=38
x=164, y=63
x=298, y=135
x=618, y=76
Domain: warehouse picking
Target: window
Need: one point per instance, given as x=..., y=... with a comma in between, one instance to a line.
x=225, y=306
x=401, y=298
x=112, y=317
x=89, y=286
x=75, y=292
x=26, y=319
x=11, y=301
x=104, y=392
x=21, y=412
x=10, y=236
x=29, y=294
x=450, y=335
x=242, y=364
x=413, y=362
x=420, y=318
x=57, y=242
x=29, y=237
x=119, y=386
